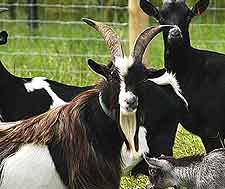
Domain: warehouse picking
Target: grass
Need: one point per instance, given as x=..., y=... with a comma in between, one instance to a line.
x=60, y=61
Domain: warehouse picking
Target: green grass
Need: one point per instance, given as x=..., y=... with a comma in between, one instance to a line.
x=73, y=69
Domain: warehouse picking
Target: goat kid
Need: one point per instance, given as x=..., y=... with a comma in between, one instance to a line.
x=196, y=172
x=79, y=145
x=200, y=73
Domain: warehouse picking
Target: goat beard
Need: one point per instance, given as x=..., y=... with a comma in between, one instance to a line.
x=128, y=124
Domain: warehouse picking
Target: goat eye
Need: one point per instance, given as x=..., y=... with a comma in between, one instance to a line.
x=152, y=172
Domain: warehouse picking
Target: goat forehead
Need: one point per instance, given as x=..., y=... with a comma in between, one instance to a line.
x=179, y=8
x=123, y=65
x=135, y=75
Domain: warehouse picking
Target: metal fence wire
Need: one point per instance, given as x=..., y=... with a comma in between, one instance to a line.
x=47, y=37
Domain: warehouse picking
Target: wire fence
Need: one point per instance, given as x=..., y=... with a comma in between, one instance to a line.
x=55, y=43
x=48, y=37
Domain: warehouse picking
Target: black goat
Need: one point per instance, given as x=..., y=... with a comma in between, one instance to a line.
x=22, y=98
x=25, y=97
x=198, y=172
x=79, y=144
x=200, y=73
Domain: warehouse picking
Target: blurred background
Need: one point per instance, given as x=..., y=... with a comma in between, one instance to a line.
x=47, y=38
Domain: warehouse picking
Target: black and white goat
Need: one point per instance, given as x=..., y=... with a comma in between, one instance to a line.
x=197, y=172
x=79, y=145
x=22, y=98
x=200, y=73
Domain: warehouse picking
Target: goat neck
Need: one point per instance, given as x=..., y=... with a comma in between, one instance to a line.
x=6, y=76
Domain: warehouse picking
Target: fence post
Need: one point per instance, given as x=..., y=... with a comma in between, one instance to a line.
x=138, y=21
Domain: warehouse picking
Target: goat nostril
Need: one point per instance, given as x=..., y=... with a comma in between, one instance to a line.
x=132, y=102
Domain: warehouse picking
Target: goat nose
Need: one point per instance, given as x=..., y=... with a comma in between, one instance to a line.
x=175, y=32
x=133, y=102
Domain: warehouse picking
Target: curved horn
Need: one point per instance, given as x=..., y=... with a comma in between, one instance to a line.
x=144, y=39
x=111, y=38
x=3, y=10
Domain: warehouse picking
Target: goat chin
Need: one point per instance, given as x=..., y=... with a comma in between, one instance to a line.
x=128, y=124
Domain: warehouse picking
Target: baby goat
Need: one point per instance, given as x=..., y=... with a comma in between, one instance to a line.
x=196, y=172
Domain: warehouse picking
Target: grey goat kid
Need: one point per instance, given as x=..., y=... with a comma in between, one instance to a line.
x=195, y=172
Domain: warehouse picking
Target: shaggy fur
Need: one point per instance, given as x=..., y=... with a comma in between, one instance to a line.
x=64, y=126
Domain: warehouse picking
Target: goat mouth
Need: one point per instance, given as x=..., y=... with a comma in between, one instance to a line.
x=175, y=33
x=127, y=110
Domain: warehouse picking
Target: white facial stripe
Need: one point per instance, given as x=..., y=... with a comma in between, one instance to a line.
x=38, y=83
x=170, y=79
x=30, y=167
x=123, y=64
x=169, y=1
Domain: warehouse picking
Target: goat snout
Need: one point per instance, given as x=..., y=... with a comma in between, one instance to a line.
x=175, y=33
x=132, y=102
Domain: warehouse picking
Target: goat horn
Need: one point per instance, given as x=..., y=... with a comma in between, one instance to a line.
x=144, y=39
x=3, y=10
x=111, y=38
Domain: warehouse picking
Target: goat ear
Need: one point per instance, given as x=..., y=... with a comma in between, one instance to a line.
x=101, y=70
x=200, y=7
x=149, y=9
x=157, y=163
x=156, y=73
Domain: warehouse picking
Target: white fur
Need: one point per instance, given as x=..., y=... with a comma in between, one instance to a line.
x=129, y=161
x=38, y=83
x=30, y=168
x=124, y=96
x=123, y=64
x=104, y=108
x=169, y=1
x=170, y=79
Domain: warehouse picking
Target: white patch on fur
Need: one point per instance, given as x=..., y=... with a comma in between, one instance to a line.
x=38, y=83
x=170, y=79
x=104, y=108
x=123, y=64
x=168, y=1
x=124, y=97
x=159, y=163
x=142, y=141
x=129, y=161
x=30, y=168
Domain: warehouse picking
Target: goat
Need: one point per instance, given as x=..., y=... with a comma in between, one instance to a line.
x=200, y=73
x=79, y=144
x=22, y=98
x=197, y=172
